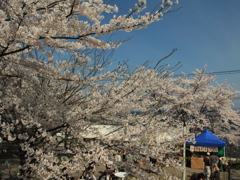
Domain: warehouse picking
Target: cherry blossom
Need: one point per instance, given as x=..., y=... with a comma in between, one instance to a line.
x=52, y=83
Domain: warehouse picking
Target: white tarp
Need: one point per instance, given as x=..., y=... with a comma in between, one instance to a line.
x=116, y=132
x=96, y=131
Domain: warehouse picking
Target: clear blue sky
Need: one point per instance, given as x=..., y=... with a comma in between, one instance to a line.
x=205, y=32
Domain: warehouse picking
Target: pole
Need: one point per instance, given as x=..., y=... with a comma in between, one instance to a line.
x=184, y=152
x=231, y=154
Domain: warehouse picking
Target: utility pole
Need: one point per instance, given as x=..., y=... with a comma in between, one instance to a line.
x=184, y=151
x=183, y=119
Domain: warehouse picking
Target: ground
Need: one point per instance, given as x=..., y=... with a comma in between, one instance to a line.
x=10, y=173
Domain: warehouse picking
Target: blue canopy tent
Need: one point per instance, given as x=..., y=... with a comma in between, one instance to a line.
x=206, y=138
x=205, y=142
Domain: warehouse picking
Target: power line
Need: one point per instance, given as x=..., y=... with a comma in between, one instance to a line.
x=217, y=73
x=214, y=73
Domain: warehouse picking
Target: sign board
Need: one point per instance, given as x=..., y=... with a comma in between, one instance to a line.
x=203, y=149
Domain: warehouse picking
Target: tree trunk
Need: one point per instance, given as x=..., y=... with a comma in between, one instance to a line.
x=22, y=160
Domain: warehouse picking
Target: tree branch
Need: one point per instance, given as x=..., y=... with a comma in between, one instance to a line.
x=71, y=9
x=16, y=51
x=62, y=126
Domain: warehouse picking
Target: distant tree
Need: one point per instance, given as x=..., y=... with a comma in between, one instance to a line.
x=199, y=99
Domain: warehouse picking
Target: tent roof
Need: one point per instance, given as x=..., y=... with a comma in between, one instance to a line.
x=206, y=138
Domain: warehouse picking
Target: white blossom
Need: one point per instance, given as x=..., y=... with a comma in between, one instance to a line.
x=52, y=91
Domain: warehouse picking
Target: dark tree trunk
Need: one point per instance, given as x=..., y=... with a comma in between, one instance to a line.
x=22, y=160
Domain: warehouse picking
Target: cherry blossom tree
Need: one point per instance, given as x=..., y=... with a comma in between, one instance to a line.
x=199, y=99
x=44, y=93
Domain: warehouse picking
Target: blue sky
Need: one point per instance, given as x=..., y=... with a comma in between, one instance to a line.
x=204, y=32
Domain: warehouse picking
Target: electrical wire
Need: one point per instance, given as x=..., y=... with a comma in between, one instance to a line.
x=215, y=73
